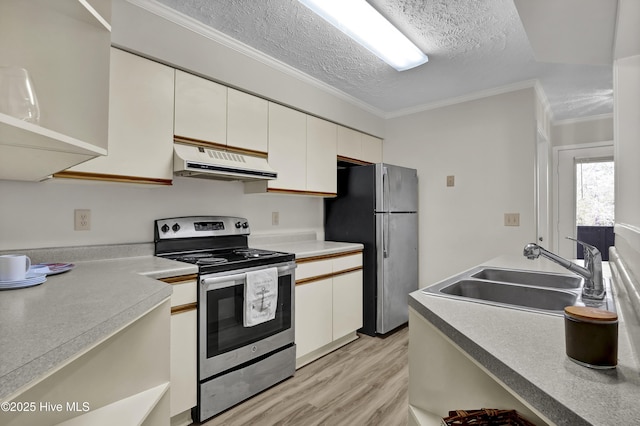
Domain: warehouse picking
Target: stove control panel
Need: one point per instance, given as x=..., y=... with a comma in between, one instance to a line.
x=200, y=226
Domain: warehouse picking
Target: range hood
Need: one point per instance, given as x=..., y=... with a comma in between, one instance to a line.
x=200, y=162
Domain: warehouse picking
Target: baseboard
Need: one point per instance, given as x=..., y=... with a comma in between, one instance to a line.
x=320, y=352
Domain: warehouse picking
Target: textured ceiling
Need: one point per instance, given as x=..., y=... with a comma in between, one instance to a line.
x=473, y=45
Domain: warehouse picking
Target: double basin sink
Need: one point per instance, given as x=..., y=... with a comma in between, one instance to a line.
x=542, y=292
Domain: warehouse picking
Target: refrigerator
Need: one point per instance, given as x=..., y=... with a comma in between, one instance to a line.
x=377, y=205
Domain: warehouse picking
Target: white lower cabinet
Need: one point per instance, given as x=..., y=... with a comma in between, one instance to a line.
x=347, y=303
x=328, y=308
x=314, y=316
x=183, y=359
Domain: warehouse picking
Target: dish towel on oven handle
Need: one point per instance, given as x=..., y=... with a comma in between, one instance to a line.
x=260, y=296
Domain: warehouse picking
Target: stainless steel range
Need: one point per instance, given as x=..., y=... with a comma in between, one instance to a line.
x=245, y=337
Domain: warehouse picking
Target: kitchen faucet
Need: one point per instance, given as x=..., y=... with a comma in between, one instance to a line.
x=591, y=272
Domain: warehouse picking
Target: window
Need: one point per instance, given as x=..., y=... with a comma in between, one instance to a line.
x=595, y=207
x=594, y=192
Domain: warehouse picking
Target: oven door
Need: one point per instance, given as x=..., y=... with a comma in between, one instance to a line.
x=224, y=342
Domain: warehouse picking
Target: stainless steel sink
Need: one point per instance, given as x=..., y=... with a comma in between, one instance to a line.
x=538, y=279
x=533, y=291
x=529, y=297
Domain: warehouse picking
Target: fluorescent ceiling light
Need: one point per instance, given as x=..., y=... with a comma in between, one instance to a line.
x=360, y=21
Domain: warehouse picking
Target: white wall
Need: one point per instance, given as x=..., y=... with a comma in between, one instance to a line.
x=627, y=156
x=489, y=146
x=572, y=132
x=39, y=215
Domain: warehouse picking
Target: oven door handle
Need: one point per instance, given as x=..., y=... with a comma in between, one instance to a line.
x=215, y=282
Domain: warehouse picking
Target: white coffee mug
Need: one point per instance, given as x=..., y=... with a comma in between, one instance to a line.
x=14, y=267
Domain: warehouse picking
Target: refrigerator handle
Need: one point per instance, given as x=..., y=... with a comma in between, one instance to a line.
x=385, y=236
x=385, y=189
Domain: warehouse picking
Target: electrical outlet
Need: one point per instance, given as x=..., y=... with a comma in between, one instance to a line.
x=512, y=219
x=451, y=180
x=275, y=218
x=82, y=219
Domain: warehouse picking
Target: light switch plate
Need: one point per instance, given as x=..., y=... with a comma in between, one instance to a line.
x=451, y=180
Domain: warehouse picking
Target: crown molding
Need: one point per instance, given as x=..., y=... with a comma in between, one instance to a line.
x=198, y=27
x=465, y=98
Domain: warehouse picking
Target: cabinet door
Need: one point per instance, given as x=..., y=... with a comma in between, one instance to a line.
x=371, y=149
x=140, y=120
x=347, y=303
x=200, y=109
x=349, y=143
x=314, y=316
x=288, y=147
x=184, y=382
x=247, y=121
x=321, y=155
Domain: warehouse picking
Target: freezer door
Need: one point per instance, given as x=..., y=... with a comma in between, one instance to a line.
x=396, y=189
x=397, y=255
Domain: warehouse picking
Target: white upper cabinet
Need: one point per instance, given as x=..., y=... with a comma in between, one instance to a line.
x=287, y=148
x=371, y=149
x=140, y=124
x=200, y=109
x=210, y=113
x=349, y=143
x=65, y=49
x=302, y=150
x=322, y=138
x=247, y=122
x=358, y=147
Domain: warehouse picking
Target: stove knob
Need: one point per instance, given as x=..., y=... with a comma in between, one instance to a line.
x=245, y=225
x=165, y=228
x=175, y=227
x=238, y=225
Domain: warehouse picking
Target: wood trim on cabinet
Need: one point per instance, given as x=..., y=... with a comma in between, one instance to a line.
x=325, y=276
x=68, y=174
x=184, y=308
x=353, y=161
x=179, y=279
x=215, y=145
x=301, y=192
x=328, y=256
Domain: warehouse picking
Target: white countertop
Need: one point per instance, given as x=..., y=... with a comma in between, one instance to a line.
x=526, y=351
x=311, y=248
x=42, y=327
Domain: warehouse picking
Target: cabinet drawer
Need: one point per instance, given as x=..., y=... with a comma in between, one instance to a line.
x=347, y=262
x=184, y=293
x=314, y=269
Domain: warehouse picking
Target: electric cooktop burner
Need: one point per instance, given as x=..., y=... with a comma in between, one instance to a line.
x=254, y=252
x=201, y=259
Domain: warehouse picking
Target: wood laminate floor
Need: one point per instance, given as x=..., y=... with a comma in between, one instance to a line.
x=362, y=383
